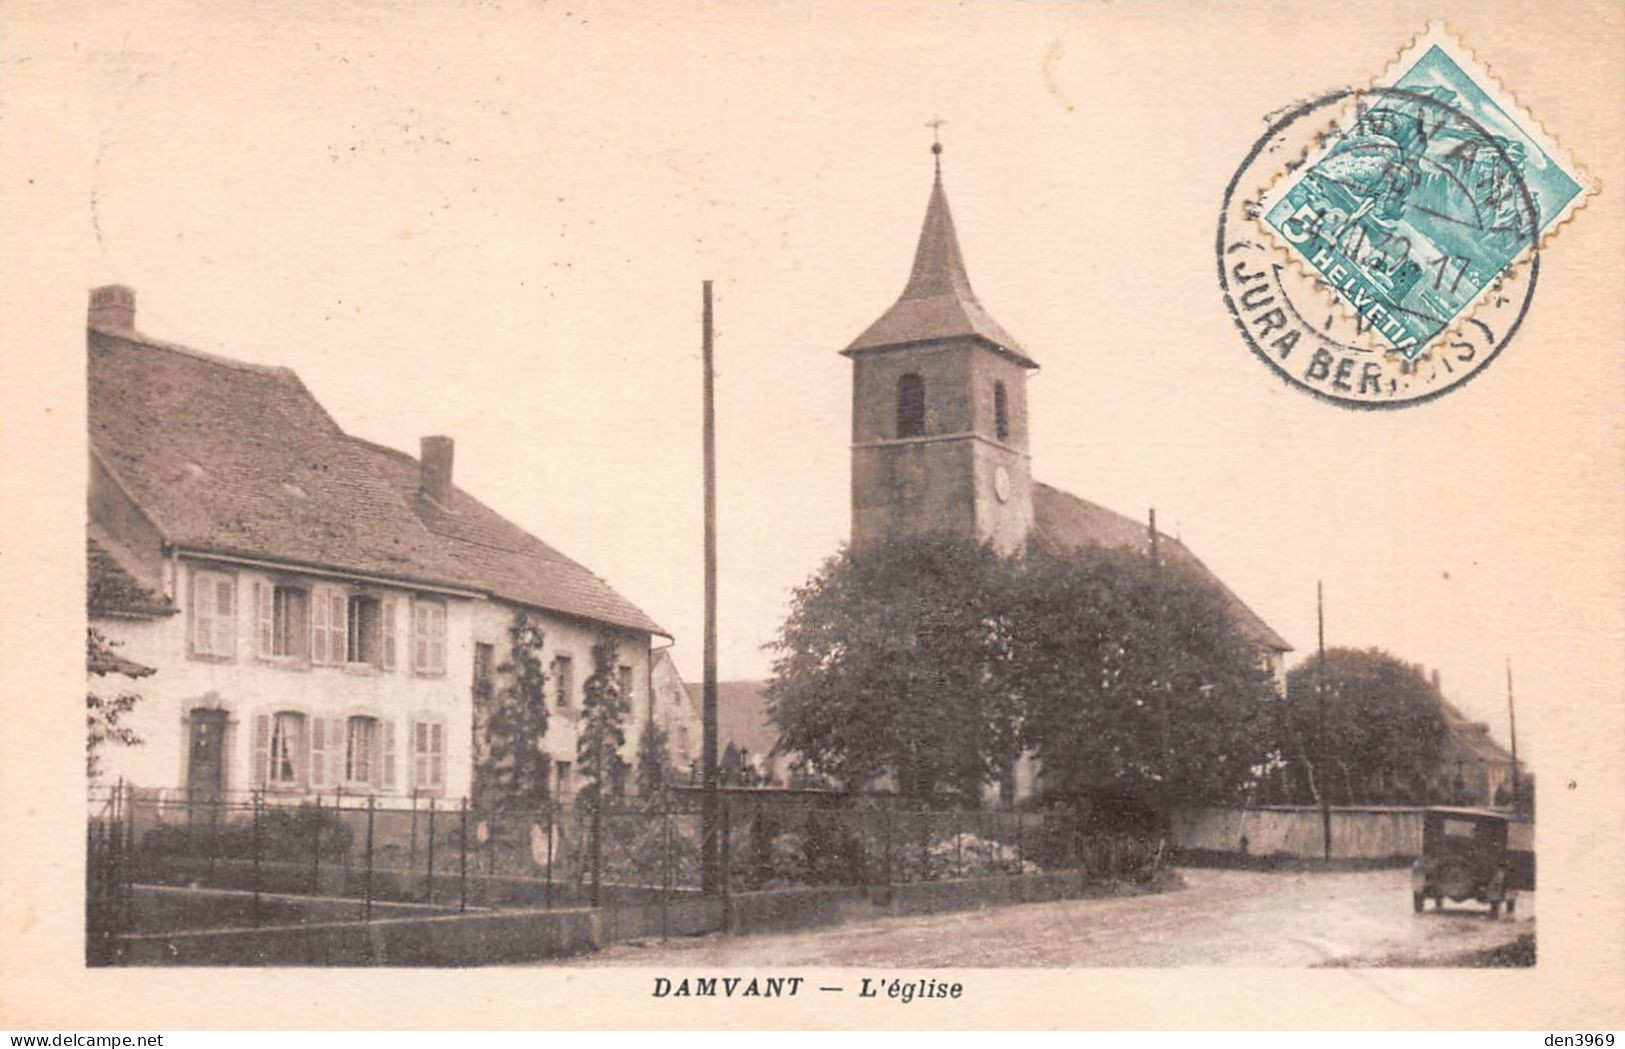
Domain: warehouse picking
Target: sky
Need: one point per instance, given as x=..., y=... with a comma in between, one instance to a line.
x=495, y=226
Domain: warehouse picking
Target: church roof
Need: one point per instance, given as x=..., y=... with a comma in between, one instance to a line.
x=1062, y=522
x=938, y=302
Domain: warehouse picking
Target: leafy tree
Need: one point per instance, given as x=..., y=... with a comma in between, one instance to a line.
x=885, y=665
x=601, y=733
x=512, y=769
x=1384, y=726
x=654, y=761
x=104, y=714
x=937, y=661
x=1133, y=678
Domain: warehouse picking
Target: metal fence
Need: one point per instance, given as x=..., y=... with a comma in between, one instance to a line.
x=276, y=859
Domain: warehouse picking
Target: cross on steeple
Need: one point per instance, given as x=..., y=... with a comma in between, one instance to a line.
x=935, y=124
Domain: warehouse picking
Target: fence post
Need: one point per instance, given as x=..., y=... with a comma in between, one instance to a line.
x=259, y=803
x=316, y=852
x=959, y=847
x=214, y=834
x=891, y=806
x=462, y=848
x=597, y=844
x=366, y=878
x=429, y=890
x=412, y=839
x=665, y=871
x=727, y=868
x=1021, y=852
x=547, y=884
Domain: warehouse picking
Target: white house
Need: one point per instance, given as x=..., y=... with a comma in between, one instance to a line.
x=317, y=608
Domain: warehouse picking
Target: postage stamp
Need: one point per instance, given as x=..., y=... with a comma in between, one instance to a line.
x=1436, y=186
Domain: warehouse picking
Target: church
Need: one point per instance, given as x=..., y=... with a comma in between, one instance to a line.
x=939, y=432
x=939, y=443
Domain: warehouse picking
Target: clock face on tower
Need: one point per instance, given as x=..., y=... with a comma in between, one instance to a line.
x=1001, y=484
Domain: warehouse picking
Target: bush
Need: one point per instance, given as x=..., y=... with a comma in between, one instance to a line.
x=285, y=834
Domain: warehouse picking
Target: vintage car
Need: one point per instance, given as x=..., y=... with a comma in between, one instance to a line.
x=1466, y=856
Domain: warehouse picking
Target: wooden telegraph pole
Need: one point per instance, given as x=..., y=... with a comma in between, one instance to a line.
x=1320, y=697
x=1512, y=724
x=709, y=880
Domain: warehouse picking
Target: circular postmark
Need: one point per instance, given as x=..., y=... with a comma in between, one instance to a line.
x=1380, y=158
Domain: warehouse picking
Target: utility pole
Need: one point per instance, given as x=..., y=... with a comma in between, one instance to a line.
x=1167, y=698
x=709, y=881
x=1320, y=696
x=1512, y=722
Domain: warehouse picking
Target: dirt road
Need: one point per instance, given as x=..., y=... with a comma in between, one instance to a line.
x=1220, y=918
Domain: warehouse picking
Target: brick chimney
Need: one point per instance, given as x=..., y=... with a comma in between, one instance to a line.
x=435, y=462
x=112, y=306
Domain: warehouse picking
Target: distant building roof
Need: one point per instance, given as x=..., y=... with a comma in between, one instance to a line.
x=498, y=556
x=938, y=302
x=113, y=590
x=742, y=717
x=1469, y=740
x=240, y=459
x=1062, y=522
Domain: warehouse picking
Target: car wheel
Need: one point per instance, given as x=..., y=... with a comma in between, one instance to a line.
x=1416, y=902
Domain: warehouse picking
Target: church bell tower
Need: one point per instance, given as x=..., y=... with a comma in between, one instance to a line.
x=939, y=407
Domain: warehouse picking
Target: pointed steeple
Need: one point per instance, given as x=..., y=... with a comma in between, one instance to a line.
x=938, y=302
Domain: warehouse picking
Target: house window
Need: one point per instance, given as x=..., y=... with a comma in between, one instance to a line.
x=285, y=754
x=564, y=671
x=364, y=631
x=428, y=755
x=484, y=661
x=428, y=637
x=561, y=774
x=283, y=620
x=214, y=614
x=1001, y=412
x=329, y=614
x=910, y=406
x=369, y=752
x=623, y=681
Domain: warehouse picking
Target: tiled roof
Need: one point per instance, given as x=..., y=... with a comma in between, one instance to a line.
x=111, y=590
x=1469, y=739
x=1062, y=522
x=233, y=458
x=938, y=302
x=742, y=717
x=497, y=556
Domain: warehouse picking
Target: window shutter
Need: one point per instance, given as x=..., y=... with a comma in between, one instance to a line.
x=202, y=613
x=439, y=639
x=264, y=599
x=335, y=751
x=262, y=748
x=191, y=610
x=303, y=751
x=225, y=620
x=420, y=637
x=336, y=641
x=318, y=626
x=437, y=754
x=387, y=730
x=386, y=612
x=318, y=752
x=420, y=754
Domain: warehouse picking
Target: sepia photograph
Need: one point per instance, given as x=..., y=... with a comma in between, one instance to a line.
x=824, y=504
